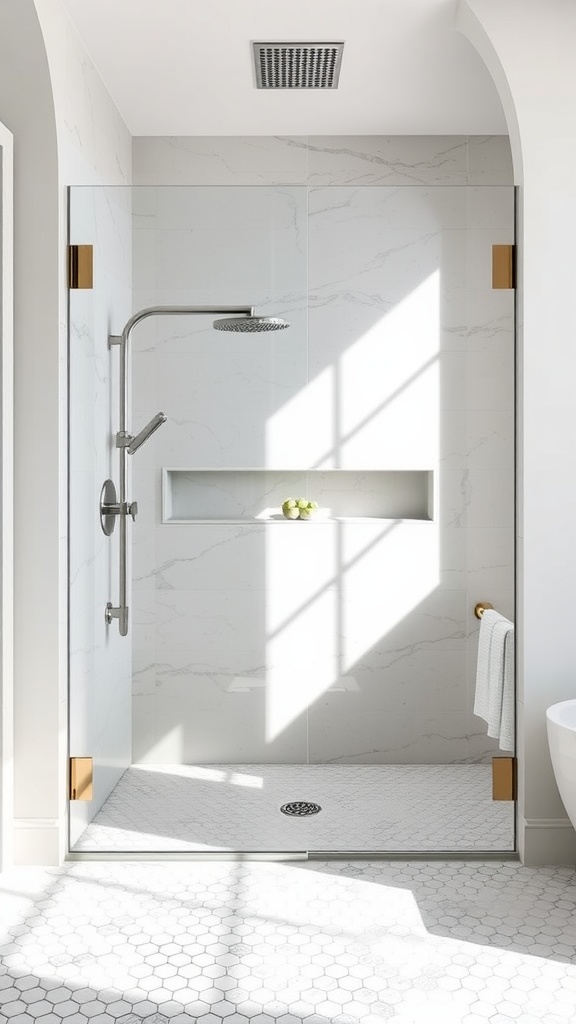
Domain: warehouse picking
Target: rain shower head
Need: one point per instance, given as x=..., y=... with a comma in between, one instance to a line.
x=249, y=324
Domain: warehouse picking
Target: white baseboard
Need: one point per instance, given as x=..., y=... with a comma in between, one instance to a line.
x=38, y=841
x=546, y=841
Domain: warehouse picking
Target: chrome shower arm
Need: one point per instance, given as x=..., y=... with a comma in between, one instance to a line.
x=183, y=311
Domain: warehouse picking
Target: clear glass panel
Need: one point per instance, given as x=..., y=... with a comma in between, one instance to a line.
x=413, y=353
x=100, y=661
x=329, y=661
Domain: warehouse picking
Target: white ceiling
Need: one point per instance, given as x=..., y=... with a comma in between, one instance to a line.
x=184, y=67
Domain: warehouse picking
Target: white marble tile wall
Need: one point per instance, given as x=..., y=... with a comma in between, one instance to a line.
x=350, y=643
x=322, y=160
x=100, y=660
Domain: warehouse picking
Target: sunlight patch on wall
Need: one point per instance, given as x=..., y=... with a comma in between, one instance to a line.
x=335, y=589
x=383, y=582
x=169, y=747
x=388, y=415
x=302, y=659
x=300, y=434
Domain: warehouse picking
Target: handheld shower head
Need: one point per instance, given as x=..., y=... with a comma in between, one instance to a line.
x=146, y=432
x=250, y=324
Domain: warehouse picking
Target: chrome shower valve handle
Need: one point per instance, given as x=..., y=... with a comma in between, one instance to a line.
x=111, y=508
x=125, y=508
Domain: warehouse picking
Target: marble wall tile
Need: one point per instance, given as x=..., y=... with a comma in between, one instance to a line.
x=453, y=438
x=324, y=160
x=219, y=619
x=234, y=160
x=96, y=145
x=388, y=160
x=490, y=209
x=436, y=623
x=208, y=557
x=490, y=439
x=143, y=672
x=491, y=499
x=237, y=209
x=143, y=531
x=433, y=737
x=143, y=619
x=411, y=679
x=453, y=374
x=452, y=558
x=489, y=560
x=454, y=488
x=361, y=632
x=490, y=368
x=204, y=709
x=489, y=160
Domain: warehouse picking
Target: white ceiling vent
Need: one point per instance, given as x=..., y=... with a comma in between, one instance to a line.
x=297, y=65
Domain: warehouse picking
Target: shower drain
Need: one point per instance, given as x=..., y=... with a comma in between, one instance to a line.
x=299, y=808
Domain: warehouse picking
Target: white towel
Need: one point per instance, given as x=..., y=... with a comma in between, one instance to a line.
x=507, y=724
x=482, y=698
x=494, y=698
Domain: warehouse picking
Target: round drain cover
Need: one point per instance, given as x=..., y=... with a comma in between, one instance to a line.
x=299, y=808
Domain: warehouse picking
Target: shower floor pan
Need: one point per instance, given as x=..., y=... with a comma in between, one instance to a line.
x=237, y=807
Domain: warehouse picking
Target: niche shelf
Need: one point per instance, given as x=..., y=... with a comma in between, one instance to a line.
x=256, y=495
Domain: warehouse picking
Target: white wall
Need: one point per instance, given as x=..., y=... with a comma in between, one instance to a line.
x=274, y=643
x=62, y=132
x=94, y=146
x=26, y=107
x=528, y=48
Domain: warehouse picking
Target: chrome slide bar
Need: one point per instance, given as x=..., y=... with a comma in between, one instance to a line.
x=127, y=444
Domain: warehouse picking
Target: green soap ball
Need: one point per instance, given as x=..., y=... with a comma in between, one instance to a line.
x=289, y=503
x=305, y=513
x=313, y=505
x=291, y=513
x=302, y=503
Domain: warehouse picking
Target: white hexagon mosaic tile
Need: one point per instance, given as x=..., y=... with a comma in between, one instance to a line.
x=364, y=808
x=286, y=943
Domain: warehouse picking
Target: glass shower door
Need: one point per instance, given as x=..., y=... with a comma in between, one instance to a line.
x=209, y=487
x=293, y=684
x=212, y=486
x=416, y=350
x=100, y=661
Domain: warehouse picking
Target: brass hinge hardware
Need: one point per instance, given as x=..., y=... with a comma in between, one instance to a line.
x=81, y=778
x=504, y=778
x=80, y=266
x=503, y=266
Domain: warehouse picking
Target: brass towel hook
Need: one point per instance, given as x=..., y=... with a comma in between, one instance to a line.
x=482, y=607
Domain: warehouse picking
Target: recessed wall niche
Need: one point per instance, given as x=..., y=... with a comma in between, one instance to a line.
x=256, y=495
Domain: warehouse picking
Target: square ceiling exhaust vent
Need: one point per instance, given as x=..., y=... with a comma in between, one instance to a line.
x=297, y=65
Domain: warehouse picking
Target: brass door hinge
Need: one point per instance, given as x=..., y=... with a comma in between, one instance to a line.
x=81, y=778
x=503, y=266
x=80, y=266
x=504, y=778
